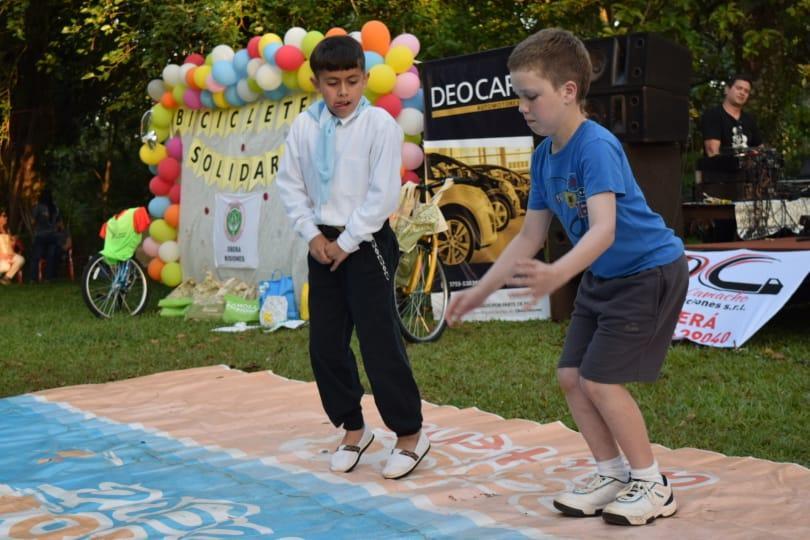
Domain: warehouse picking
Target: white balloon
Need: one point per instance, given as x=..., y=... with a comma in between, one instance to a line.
x=358, y=37
x=222, y=52
x=155, y=89
x=253, y=66
x=171, y=75
x=295, y=36
x=268, y=77
x=169, y=251
x=184, y=69
x=243, y=91
x=411, y=120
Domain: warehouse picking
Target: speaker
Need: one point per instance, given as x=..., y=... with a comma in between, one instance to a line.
x=644, y=115
x=658, y=168
x=634, y=60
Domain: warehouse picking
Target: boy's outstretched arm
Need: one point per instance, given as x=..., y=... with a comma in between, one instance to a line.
x=542, y=278
x=525, y=245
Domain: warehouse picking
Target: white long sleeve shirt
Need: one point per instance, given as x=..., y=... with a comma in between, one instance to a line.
x=365, y=186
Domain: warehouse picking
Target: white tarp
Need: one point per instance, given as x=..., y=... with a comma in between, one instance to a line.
x=732, y=294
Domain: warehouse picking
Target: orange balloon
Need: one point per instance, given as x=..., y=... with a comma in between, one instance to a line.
x=376, y=37
x=190, y=79
x=336, y=31
x=172, y=215
x=168, y=101
x=154, y=268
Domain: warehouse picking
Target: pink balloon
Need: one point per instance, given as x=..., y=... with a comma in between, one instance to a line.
x=174, y=193
x=195, y=58
x=174, y=147
x=159, y=186
x=169, y=169
x=213, y=85
x=390, y=103
x=412, y=155
x=409, y=40
x=150, y=247
x=407, y=85
x=192, y=98
x=289, y=57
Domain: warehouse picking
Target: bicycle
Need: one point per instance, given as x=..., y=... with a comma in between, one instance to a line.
x=421, y=291
x=110, y=287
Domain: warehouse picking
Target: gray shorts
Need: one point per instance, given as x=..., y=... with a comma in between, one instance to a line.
x=621, y=328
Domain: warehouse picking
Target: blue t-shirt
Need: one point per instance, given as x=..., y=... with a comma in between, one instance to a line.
x=593, y=162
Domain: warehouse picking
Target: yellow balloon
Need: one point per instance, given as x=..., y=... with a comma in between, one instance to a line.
x=201, y=75
x=290, y=79
x=161, y=116
x=152, y=156
x=162, y=231
x=305, y=77
x=266, y=40
x=220, y=101
x=400, y=58
x=381, y=79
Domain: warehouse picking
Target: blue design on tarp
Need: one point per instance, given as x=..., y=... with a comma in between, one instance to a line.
x=128, y=479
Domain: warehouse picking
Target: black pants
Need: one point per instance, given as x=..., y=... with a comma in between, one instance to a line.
x=357, y=296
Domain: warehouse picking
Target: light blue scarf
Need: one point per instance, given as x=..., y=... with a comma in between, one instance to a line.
x=325, y=147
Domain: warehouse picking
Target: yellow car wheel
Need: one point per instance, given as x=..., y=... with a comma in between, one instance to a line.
x=456, y=244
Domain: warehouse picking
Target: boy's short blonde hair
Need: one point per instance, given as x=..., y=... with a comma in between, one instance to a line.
x=557, y=55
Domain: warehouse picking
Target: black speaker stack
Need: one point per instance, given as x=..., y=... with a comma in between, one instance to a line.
x=640, y=87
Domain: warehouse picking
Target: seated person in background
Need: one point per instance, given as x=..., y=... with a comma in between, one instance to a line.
x=10, y=261
x=47, y=238
x=727, y=128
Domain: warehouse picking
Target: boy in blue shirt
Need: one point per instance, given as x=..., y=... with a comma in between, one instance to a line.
x=630, y=295
x=339, y=182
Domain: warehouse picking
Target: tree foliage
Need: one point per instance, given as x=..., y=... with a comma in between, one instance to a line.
x=74, y=72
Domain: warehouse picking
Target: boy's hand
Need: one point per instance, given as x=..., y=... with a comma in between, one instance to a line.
x=335, y=254
x=539, y=277
x=317, y=248
x=462, y=303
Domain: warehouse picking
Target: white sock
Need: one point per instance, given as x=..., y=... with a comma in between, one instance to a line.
x=614, y=468
x=650, y=474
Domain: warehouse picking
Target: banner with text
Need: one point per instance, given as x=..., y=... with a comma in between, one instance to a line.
x=475, y=135
x=732, y=294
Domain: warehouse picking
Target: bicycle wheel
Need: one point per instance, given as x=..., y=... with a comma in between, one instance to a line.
x=421, y=305
x=110, y=289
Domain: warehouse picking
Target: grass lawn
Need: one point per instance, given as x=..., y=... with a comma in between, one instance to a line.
x=752, y=401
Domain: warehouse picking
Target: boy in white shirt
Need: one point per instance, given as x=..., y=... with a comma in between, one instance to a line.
x=339, y=182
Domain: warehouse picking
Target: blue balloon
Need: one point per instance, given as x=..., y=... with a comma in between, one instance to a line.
x=233, y=97
x=240, y=62
x=157, y=207
x=207, y=99
x=276, y=94
x=269, y=52
x=153, y=169
x=416, y=102
x=224, y=73
x=373, y=59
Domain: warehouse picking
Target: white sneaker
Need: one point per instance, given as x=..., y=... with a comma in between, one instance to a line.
x=347, y=456
x=591, y=499
x=402, y=462
x=641, y=502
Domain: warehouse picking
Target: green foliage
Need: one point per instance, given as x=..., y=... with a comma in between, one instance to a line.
x=751, y=401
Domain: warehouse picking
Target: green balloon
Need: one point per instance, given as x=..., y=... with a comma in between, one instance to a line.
x=161, y=116
x=162, y=231
x=312, y=38
x=171, y=274
x=177, y=94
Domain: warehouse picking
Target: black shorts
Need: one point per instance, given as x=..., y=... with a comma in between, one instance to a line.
x=622, y=327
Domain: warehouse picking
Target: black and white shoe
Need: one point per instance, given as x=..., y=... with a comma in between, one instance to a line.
x=347, y=456
x=641, y=502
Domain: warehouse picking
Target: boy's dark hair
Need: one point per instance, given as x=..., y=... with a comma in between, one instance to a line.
x=740, y=77
x=337, y=53
x=557, y=55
